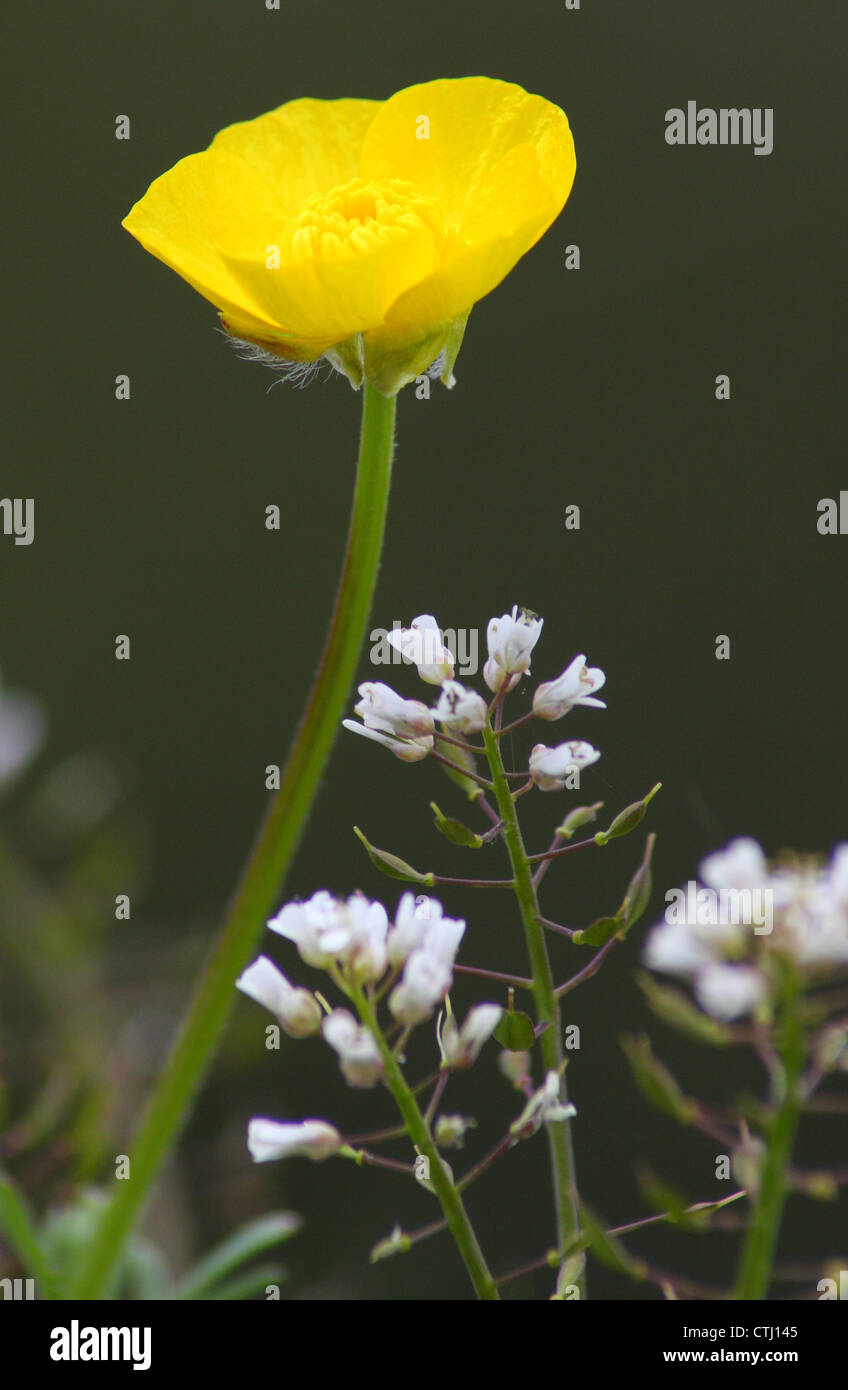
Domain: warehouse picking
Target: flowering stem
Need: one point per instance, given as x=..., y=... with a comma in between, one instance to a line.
x=255, y=895
x=547, y=1006
x=758, y=1252
x=419, y=1132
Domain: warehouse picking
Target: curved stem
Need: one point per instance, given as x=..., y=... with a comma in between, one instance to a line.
x=547, y=1005
x=443, y=1185
x=275, y=844
x=758, y=1252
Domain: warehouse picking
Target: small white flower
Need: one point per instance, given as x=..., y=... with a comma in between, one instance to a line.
x=463, y=711
x=383, y=709
x=576, y=686
x=315, y=1139
x=298, y=1010
x=426, y=981
x=413, y=916
x=510, y=638
x=812, y=921
x=421, y=643
x=676, y=949
x=549, y=767
x=428, y=973
x=409, y=750
x=325, y=929
x=358, y=1053
x=741, y=865
x=461, y=1046
x=23, y=726
x=542, y=1107
x=728, y=991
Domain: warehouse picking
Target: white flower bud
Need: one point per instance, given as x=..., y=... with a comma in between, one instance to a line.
x=421, y=643
x=383, y=709
x=510, y=638
x=269, y=1139
x=297, y=1010
x=549, y=767
x=357, y=1050
x=410, y=750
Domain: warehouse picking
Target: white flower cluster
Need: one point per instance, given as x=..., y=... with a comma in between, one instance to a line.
x=354, y=940
x=742, y=915
x=408, y=727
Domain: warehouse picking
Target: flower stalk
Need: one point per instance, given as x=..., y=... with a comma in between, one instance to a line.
x=547, y=1005
x=419, y=1132
x=761, y=1238
x=275, y=845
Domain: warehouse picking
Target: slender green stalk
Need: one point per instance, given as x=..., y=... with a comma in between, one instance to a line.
x=547, y=1005
x=278, y=837
x=443, y=1185
x=755, y=1266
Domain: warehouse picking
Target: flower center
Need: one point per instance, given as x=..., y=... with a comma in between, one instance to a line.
x=356, y=218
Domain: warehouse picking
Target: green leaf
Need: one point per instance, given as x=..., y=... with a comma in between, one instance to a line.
x=673, y=1007
x=628, y=819
x=656, y=1082
x=235, y=1251
x=19, y=1231
x=251, y=1282
x=515, y=1032
x=454, y=830
x=391, y=865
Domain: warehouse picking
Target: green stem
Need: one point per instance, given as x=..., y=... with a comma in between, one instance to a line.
x=547, y=1005
x=255, y=896
x=755, y=1266
x=443, y=1185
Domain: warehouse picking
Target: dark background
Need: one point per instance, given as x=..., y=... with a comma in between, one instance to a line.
x=593, y=387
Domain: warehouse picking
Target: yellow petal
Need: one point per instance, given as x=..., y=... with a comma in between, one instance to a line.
x=498, y=164
x=302, y=149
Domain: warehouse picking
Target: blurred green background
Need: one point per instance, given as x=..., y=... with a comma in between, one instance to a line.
x=593, y=387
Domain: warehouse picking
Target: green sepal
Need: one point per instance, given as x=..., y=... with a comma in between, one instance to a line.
x=453, y=342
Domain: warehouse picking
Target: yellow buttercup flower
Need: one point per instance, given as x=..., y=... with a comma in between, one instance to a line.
x=364, y=231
